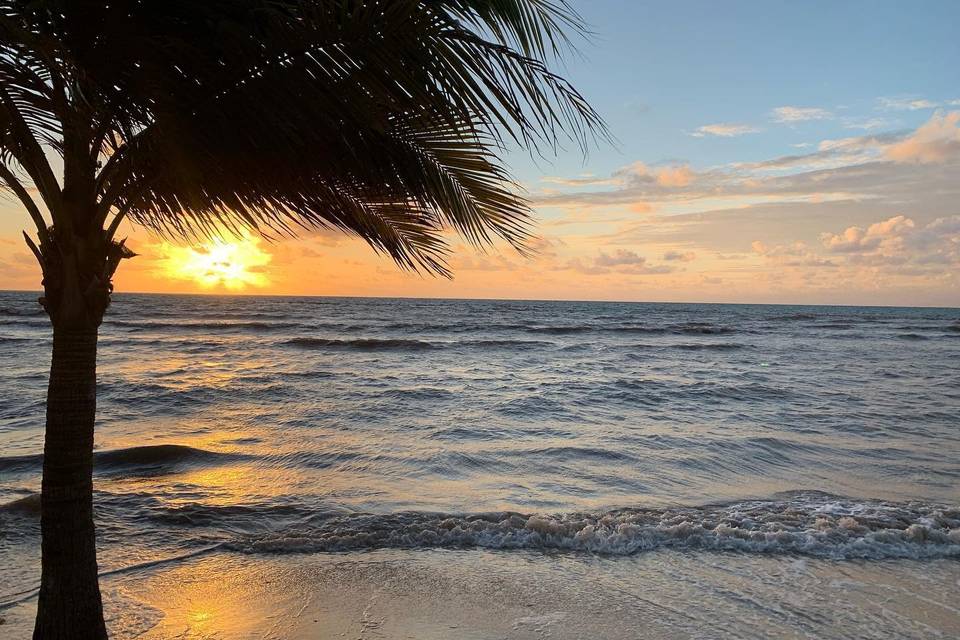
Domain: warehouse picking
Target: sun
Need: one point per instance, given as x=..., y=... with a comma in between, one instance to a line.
x=232, y=264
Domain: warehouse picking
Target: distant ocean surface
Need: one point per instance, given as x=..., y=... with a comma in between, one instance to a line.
x=277, y=425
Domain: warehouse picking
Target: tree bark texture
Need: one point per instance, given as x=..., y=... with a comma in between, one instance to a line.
x=69, y=603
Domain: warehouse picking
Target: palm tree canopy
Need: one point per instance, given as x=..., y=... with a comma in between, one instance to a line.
x=384, y=118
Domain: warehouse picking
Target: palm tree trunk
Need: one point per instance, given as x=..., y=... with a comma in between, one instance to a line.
x=69, y=604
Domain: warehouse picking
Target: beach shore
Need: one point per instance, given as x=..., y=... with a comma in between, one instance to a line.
x=487, y=595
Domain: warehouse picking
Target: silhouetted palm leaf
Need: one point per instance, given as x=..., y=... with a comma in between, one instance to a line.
x=383, y=118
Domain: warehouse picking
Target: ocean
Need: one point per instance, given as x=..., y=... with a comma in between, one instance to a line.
x=735, y=470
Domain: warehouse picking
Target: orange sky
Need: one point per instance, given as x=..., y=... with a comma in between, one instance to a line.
x=744, y=170
x=868, y=219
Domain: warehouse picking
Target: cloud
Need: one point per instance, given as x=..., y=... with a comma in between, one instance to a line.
x=682, y=257
x=639, y=173
x=865, y=182
x=724, y=130
x=481, y=263
x=622, y=262
x=935, y=142
x=586, y=180
x=887, y=165
x=799, y=114
x=797, y=254
x=909, y=104
x=544, y=247
x=900, y=241
x=859, y=240
x=894, y=247
x=621, y=257
x=675, y=176
x=868, y=124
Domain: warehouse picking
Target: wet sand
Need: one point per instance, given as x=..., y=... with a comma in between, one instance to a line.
x=490, y=595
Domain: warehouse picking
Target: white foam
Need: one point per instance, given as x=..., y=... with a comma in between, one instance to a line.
x=804, y=526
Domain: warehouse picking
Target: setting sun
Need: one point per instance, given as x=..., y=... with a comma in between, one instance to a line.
x=232, y=264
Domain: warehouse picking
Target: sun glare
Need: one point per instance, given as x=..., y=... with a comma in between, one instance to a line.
x=233, y=264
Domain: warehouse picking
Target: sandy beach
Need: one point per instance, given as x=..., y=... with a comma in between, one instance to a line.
x=482, y=595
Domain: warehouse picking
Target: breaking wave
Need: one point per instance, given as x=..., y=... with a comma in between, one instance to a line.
x=807, y=524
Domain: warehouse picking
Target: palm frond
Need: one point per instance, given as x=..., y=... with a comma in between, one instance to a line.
x=383, y=118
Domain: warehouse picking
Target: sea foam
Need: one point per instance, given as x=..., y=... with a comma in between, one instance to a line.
x=807, y=524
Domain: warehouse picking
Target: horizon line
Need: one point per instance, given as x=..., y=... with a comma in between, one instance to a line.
x=570, y=300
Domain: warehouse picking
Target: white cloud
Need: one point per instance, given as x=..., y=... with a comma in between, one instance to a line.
x=724, y=130
x=896, y=193
x=935, y=142
x=871, y=239
x=908, y=104
x=790, y=114
x=869, y=124
x=896, y=247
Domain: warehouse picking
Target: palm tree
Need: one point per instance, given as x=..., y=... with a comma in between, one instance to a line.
x=386, y=119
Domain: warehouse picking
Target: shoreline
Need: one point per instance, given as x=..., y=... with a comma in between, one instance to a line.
x=489, y=595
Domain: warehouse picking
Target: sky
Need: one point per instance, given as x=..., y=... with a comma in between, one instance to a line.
x=766, y=152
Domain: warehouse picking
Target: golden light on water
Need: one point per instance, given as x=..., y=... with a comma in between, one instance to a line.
x=233, y=264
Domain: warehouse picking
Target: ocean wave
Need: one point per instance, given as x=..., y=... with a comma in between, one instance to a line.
x=702, y=328
x=505, y=343
x=575, y=453
x=19, y=464
x=192, y=514
x=560, y=330
x=25, y=321
x=157, y=455
x=709, y=346
x=693, y=328
x=22, y=311
x=690, y=328
x=377, y=344
x=638, y=329
x=817, y=525
x=152, y=457
x=453, y=327
x=254, y=326
x=26, y=506
x=792, y=316
x=363, y=344
x=841, y=326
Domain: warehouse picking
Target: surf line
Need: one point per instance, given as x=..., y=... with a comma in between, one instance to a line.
x=23, y=596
